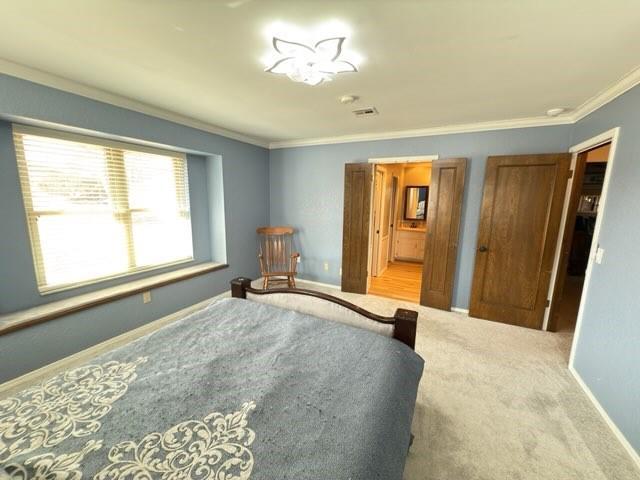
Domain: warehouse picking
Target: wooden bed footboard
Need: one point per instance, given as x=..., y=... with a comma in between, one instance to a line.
x=404, y=321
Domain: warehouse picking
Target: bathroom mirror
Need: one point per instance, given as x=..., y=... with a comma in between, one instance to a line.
x=415, y=202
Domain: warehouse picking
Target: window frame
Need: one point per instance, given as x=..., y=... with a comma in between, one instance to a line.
x=122, y=212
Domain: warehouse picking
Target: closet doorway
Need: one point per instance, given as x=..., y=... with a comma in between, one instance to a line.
x=583, y=210
x=401, y=222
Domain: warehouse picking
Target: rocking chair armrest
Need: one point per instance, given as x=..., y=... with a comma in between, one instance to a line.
x=263, y=267
x=294, y=262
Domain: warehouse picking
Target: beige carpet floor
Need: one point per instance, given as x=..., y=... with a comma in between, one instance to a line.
x=497, y=402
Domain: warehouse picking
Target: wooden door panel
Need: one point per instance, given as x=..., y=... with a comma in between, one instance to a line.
x=443, y=222
x=519, y=223
x=385, y=224
x=377, y=265
x=392, y=213
x=441, y=231
x=356, y=227
x=516, y=226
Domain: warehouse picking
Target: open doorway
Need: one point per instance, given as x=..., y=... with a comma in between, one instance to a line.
x=583, y=210
x=412, y=222
x=397, y=240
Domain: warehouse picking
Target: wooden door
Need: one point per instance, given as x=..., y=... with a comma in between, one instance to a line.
x=443, y=224
x=356, y=226
x=392, y=216
x=385, y=223
x=376, y=234
x=519, y=223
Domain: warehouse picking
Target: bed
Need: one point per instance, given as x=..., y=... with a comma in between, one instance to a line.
x=241, y=389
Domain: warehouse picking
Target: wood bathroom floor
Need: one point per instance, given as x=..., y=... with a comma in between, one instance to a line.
x=401, y=280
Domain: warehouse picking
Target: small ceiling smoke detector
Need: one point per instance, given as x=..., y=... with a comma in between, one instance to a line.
x=347, y=99
x=366, y=112
x=554, y=112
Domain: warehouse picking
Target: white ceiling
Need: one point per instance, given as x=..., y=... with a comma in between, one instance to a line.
x=427, y=63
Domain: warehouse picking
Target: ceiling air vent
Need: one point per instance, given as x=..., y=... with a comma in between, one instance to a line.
x=366, y=112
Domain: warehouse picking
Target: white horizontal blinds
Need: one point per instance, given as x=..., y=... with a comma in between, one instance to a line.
x=95, y=211
x=158, y=219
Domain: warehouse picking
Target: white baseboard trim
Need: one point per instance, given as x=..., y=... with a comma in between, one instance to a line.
x=463, y=311
x=320, y=284
x=616, y=431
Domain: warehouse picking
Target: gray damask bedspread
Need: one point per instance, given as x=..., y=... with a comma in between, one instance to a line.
x=238, y=390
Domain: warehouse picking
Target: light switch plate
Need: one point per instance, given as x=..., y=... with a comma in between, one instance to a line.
x=599, y=255
x=146, y=297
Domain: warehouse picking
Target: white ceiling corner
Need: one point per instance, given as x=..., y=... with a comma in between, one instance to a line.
x=623, y=85
x=64, y=84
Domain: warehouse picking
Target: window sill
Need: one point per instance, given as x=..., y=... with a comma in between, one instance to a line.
x=24, y=318
x=70, y=286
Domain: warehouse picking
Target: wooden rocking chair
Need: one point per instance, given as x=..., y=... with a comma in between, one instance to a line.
x=278, y=261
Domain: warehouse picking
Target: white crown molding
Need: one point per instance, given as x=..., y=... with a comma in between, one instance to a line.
x=626, y=83
x=64, y=84
x=623, y=85
x=428, y=132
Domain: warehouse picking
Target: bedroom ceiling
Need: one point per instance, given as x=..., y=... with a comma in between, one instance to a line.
x=425, y=63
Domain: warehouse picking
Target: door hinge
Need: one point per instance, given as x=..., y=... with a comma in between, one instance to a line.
x=570, y=175
x=547, y=303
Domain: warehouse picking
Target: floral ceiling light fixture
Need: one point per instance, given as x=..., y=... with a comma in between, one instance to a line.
x=310, y=64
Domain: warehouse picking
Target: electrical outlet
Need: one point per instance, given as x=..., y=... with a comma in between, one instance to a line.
x=326, y=266
x=146, y=297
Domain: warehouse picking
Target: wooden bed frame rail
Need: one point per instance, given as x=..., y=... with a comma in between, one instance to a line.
x=404, y=321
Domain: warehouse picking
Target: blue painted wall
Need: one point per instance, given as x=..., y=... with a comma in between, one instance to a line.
x=244, y=200
x=307, y=189
x=307, y=192
x=608, y=350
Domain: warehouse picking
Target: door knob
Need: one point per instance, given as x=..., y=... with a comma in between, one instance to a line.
x=483, y=248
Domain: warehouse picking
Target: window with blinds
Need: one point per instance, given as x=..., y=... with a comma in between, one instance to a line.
x=97, y=209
